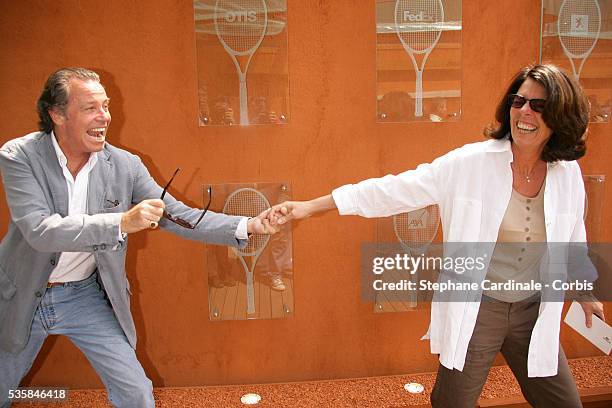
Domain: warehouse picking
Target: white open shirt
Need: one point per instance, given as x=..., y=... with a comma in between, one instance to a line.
x=472, y=186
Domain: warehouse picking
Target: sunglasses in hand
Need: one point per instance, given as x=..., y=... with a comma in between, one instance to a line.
x=179, y=221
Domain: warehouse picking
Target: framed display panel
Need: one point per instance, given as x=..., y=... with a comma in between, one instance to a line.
x=418, y=60
x=242, y=65
x=255, y=282
x=577, y=36
x=599, y=252
x=593, y=205
x=408, y=234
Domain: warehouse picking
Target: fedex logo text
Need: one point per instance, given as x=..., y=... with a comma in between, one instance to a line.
x=408, y=16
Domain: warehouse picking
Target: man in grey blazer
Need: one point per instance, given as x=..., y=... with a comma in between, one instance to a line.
x=73, y=201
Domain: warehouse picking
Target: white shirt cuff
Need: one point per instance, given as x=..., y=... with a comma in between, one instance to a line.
x=343, y=198
x=120, y=238
x=241, y=230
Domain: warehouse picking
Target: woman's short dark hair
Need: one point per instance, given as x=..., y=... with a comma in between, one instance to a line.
x=566, y=112
x=57, y=91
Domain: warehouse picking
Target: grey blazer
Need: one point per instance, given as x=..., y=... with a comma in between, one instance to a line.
x=40, y=228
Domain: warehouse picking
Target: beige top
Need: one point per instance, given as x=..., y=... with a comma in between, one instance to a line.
x=521, y=242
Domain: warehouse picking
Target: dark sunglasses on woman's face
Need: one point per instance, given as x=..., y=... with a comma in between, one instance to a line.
x=517, y=101
x=180, y=221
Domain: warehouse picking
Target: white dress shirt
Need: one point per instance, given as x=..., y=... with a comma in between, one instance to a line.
x=472, y=185
x=74, y=266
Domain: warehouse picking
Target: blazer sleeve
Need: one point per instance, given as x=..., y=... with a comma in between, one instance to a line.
x=214, y=228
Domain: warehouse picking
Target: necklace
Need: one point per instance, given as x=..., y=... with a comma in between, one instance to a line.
x=527, y=176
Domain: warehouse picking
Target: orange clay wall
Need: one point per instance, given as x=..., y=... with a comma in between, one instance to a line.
x=145, y=52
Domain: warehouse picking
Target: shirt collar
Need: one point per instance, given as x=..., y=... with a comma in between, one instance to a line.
x=63, y=160
x=498, y=145
x=504, y=145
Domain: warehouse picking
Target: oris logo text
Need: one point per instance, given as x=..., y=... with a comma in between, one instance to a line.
x=408, y=16
x=241, y=16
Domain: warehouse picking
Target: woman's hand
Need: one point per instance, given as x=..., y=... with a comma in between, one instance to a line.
x=590, y=308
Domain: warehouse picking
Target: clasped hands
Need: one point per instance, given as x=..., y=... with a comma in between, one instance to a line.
x=289, y=210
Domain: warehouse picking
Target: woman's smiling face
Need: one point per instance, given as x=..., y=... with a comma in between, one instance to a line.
x=526, y=125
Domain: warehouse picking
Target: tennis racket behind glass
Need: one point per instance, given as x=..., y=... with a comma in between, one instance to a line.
x=415, y=230
x=241, y=27
x=248, y=202
x=578, y=27
x=418, y=25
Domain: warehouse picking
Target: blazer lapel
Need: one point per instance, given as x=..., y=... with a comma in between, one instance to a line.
x=98, y=180
x=54, y=175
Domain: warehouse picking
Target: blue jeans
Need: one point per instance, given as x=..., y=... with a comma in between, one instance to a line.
x=80, y=311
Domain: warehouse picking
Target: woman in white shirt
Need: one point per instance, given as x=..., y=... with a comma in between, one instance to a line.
x=523, y=185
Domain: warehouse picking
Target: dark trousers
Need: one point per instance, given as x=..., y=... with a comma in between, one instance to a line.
x=504, y=327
